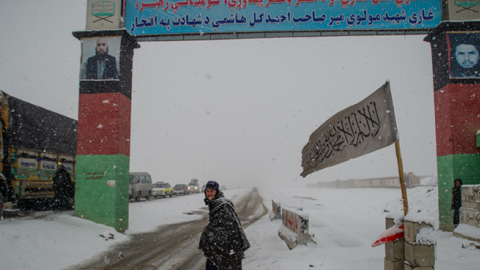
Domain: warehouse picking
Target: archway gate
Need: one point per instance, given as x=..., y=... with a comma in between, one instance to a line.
x=115, y=27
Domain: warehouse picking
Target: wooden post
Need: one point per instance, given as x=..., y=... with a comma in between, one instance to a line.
x=402, y=177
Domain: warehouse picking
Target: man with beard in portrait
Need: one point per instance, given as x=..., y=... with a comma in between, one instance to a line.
x=465, y=56
x=101, y=66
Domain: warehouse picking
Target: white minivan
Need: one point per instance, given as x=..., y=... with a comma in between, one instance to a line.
x=140, y=185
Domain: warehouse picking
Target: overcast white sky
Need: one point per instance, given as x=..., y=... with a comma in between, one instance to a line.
x=235, y=111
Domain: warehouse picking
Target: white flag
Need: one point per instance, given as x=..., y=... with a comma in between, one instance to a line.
x=355, y=131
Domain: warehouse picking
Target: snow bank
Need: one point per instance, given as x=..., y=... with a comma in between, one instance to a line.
x=52, y=240
x=468, y=230
x=420, y=218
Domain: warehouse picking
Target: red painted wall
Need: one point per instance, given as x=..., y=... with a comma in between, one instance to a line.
x=104, y=124
x=457, y=118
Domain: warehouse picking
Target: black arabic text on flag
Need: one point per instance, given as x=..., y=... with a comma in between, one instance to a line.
x=355, y=131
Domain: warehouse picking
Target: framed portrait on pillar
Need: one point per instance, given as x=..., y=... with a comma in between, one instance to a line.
x=463, y=49
x=100, y=58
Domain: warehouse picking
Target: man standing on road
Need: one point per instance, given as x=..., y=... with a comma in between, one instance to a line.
x=456, y=201
x=223, y=241
x=63, y=189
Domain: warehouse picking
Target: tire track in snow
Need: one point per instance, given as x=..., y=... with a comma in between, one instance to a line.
x=173, y=246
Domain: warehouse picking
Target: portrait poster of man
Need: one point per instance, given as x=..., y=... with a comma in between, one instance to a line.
x=464, y=51
x=100, y=58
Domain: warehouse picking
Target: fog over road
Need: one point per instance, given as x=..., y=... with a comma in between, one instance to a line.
x=173, y=246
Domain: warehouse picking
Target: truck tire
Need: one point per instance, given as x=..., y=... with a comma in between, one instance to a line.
x=1, y=204
x=147, y=197
x=137, y=198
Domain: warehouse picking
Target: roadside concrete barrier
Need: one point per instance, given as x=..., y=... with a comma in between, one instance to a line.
x=470, y=211
x=469, y=227
x=294, y=228
x=416, y=249
x=276, y=211
x=420, y=242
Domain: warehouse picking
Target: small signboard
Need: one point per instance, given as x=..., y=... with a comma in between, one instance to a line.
x=463, y=10
x=103, y=14
x=162, y=17
x=48, y=165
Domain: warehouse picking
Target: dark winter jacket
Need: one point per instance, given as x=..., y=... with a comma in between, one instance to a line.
x=62, y=184
x=110, y=71
x=223, y=240
x=457, y=196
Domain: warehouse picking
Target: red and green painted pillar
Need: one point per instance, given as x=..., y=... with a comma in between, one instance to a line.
x=457, y=114
x=103, y=135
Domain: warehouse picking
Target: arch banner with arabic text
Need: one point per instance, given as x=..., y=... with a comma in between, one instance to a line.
x=164, y=17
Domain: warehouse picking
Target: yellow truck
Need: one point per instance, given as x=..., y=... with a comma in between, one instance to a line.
x=34, y=142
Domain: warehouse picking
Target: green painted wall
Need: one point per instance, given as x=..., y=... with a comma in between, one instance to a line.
x=451, y=167
x=97, y=201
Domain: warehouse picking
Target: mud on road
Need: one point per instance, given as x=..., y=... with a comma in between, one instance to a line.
x=174, y=246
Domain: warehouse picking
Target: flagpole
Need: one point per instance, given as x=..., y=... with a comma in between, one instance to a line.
x=402, y=177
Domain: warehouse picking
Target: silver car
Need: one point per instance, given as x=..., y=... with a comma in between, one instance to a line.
x=140, y=186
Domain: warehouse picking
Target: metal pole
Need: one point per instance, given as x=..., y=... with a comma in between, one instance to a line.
x=402, y=178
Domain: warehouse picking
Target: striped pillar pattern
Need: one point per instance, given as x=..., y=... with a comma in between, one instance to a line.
x=457, y=120
x=103, y=158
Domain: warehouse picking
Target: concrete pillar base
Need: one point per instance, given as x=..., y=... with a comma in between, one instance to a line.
x=395, y=250
x=409, y=267
x=420, y=255
x=390, y=264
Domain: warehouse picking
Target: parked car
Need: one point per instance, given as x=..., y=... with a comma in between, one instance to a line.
x=203, y=188
x=194, y=187
x=161, y=189
x=223, y=188
x=140, y=186
x=181, y=189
